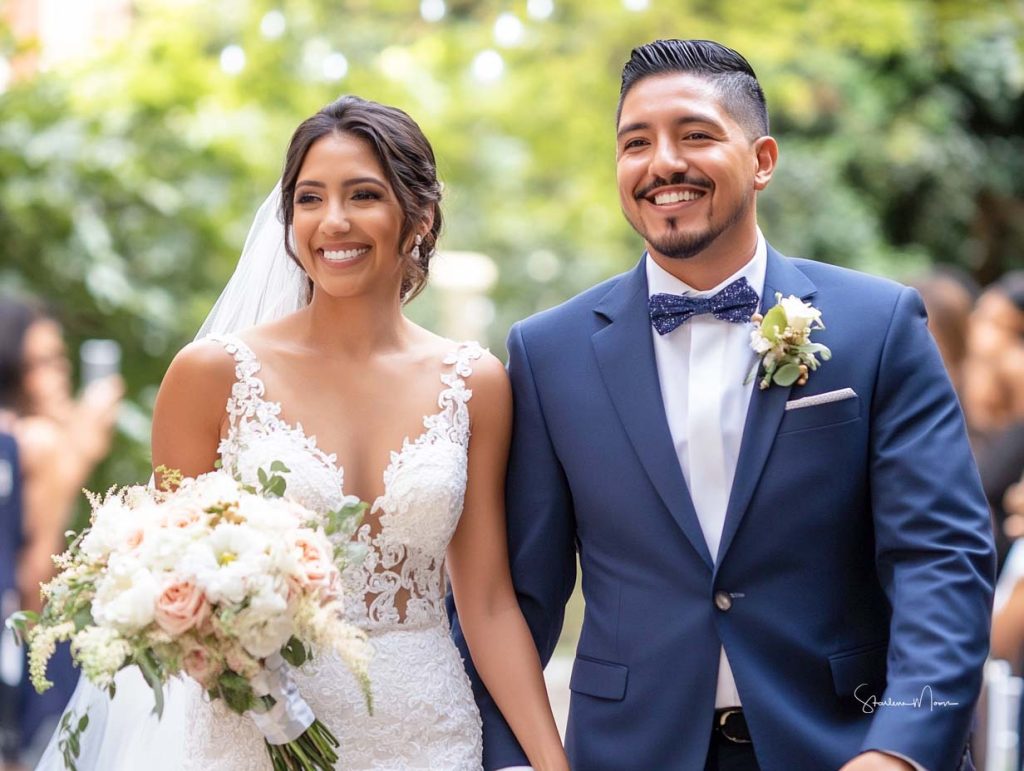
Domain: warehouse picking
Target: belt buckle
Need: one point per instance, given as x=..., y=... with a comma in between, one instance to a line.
x=723, y=719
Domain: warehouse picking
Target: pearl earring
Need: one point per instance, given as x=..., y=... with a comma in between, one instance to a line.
x=416, y=249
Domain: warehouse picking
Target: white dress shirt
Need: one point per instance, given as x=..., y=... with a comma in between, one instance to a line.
x=702, y=368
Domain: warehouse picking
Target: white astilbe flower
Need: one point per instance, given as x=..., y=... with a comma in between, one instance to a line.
x=43, y=643
x=100, y=652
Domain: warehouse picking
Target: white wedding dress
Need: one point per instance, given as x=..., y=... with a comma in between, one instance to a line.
x=424, y=715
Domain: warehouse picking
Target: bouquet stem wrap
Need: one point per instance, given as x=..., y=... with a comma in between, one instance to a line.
x=290, y=716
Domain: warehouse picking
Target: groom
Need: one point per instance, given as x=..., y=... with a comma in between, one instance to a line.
x=790, y=578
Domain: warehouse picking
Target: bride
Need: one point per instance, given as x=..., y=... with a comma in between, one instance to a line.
x=355, y=399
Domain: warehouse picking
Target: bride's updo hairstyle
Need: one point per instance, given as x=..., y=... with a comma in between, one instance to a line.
x=408, y=162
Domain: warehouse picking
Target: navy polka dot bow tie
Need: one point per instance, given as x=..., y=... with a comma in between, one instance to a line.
x=736, y=303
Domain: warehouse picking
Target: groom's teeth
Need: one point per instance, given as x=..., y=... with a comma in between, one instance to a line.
x=685, y=195
x=344, y=256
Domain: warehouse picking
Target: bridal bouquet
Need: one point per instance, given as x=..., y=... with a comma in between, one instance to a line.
x=214, y=579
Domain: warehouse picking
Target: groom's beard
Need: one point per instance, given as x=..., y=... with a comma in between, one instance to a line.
x=678, y=245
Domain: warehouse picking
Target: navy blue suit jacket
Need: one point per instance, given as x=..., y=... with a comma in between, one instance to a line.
x=856, y=551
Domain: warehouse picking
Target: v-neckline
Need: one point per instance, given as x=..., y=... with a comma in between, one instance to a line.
x=330, y=460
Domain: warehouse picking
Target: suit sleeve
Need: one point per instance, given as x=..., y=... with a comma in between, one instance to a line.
x=542, y=552
x=934, y=549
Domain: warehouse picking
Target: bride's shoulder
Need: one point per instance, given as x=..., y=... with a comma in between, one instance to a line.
x=208, y=357
x=202, y=367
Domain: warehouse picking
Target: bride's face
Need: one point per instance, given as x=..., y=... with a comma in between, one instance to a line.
x=347, y=220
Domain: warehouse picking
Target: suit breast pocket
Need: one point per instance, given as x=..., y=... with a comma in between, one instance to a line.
x=821, y=415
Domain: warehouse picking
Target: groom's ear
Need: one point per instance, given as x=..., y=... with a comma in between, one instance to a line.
x=766, y=155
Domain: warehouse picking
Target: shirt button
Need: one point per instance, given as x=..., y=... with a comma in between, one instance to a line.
x=723, y=601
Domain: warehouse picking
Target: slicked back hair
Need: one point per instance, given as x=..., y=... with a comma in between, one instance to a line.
x=730, y=73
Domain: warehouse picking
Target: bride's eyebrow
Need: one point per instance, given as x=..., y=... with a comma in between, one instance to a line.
x=346, y=183
x=364, y=180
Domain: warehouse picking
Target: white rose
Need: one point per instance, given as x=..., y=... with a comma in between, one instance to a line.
x=274, y=517
x=800, y=316
x=262, y=635
x=212, y=488
x=113, y=527
x=162, y=548
x=126, y=595
x=268, y=596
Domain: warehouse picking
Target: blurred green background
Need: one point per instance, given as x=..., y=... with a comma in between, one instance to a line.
x=129, y=172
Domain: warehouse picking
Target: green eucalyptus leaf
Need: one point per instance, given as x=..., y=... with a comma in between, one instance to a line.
x=151, y=672
x=294, y=652
x=83, y=617
x=236, y=691
x=787, y=374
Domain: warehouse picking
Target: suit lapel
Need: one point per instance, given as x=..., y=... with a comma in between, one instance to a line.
x=766, y=407
x=625, y=355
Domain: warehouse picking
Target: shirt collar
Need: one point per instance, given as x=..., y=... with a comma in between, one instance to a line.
x=660, y=280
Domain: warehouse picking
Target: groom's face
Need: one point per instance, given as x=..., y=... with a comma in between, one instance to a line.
x=687, y=171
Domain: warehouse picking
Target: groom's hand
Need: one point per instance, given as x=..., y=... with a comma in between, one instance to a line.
x=877, y=761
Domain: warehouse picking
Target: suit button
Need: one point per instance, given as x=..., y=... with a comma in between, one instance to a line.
x=723, y=601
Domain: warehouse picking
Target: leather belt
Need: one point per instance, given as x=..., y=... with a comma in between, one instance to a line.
x=731, y=726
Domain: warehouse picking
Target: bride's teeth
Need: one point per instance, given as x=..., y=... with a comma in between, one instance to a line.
x=685, y=195
x=348, y=254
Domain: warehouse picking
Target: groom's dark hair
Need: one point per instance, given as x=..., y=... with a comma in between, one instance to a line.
x=731, y=74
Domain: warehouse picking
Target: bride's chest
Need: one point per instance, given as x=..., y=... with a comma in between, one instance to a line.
x=423, y=483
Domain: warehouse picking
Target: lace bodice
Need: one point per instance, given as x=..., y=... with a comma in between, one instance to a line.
x=400, y=582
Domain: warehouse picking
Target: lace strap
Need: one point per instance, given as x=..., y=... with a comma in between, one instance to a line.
x=248, y=389
x=461, y=359
x=453, y=399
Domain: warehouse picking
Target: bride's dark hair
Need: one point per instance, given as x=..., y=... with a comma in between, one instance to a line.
x=407, y=159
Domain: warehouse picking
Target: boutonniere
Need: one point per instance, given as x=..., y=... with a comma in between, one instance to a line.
x=782, y=339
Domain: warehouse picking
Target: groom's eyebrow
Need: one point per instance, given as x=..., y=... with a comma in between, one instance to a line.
x=682, y=120
x=639, y=126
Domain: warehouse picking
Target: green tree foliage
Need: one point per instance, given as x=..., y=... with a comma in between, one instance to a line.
x=127, y=183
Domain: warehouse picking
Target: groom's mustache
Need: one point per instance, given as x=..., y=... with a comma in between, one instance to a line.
x=675, y=179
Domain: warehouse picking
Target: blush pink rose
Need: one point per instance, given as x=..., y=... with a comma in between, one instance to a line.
x=180, y=607
x=202, y=666
x=316, y=566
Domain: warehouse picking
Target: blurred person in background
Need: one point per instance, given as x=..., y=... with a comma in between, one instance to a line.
x=11, y=666
x=949, y=297
x=1008, y=619
x=60, y=439
x=993, y=396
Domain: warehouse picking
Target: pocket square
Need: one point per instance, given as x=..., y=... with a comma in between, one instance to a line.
x=825, y=398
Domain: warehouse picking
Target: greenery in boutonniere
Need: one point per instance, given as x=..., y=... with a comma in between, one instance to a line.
x=782, y=339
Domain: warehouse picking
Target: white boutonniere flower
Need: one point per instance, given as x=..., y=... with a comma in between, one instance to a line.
x=782, y=340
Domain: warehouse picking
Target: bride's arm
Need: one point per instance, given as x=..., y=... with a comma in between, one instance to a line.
x=190, y=409
x=499, y=640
